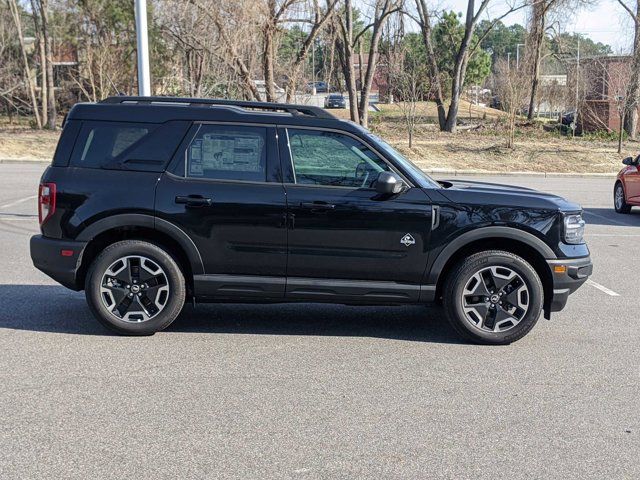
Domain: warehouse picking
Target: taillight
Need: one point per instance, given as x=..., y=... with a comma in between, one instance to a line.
x=46, y=201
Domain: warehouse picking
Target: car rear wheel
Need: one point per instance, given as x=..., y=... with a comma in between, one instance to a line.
x=135, y=288
x=619, y=201
x=493, y=297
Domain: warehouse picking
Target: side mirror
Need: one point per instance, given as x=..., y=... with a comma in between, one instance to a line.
x=628, y=161
x=388, y=183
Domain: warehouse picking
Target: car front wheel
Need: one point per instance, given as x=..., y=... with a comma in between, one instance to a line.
x=493, y=297
x=619, y=201
x=135, y=288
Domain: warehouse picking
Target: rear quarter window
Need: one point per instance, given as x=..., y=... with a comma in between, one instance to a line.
x=130, y=146
x=65, y=144
x=101, y=143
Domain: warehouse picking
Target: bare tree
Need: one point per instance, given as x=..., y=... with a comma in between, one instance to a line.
x=346, y=40
x=11, y=70
x=409, y=90
x=631, y=101
x=317, y=22
x=230, y=21
x=537, y=35
x=29, y=81
x=424, y=21
x=511, y=87
x=382, y=10
x=464, y=50
x=41, y=20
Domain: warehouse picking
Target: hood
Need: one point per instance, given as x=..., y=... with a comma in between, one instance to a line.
x=499, y=194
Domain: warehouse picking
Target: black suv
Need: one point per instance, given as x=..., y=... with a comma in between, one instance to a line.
x=152, y=201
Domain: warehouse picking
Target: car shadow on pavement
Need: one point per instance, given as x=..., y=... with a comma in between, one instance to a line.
x=412, y=323
x=55, y=309
x=608, y=216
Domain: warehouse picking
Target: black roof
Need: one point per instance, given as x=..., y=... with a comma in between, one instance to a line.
x=163, y=109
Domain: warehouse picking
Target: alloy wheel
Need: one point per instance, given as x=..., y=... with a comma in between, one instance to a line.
x=134, y=289
x=495, y=299
x=619, y=197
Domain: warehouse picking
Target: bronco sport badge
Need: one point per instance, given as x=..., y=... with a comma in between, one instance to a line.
x=407, y=240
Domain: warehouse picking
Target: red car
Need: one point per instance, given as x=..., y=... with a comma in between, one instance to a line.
x=626, y=193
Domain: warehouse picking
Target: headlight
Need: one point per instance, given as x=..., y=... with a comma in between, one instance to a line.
x=573, y=228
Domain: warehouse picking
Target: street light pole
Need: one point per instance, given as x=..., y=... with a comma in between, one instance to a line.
x=518, y=45
x=575, y=117
x=144, y=78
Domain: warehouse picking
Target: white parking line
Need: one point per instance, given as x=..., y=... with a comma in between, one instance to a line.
x=17, y=202
x=602, y=288
x=611, y=235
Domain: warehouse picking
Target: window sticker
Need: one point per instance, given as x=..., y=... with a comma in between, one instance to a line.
x=195, y=155
x=235, y=152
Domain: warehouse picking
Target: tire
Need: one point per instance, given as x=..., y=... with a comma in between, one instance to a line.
x=482, y=318
x=619, y=201
x=135, y=288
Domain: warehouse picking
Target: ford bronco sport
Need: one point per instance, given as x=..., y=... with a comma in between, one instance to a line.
x=153, y=201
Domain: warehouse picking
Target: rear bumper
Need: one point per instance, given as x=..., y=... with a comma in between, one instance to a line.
x=576, y=272
x=47, y=256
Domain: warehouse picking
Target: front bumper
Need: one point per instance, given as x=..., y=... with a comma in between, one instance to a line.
x=566, y=280
x=60, y=259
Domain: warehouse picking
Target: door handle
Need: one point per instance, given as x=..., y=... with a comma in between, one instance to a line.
x=194, y=200
x=318, y=205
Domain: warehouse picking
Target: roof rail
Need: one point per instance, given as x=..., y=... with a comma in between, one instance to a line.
x=266, y=106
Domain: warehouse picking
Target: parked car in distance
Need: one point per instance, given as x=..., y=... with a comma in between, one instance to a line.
x=626, y=192
x=150, y=202
x=335, y=100
x=321, y=87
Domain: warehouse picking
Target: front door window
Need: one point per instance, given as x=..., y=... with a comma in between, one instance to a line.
x=332, y=159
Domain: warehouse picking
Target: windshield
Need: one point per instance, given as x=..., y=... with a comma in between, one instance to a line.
x=423, y=180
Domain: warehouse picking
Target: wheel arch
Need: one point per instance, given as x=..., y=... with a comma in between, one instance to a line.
x=520, y=243
x=140, y=227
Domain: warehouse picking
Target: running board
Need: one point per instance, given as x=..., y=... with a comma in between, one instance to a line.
x=222, y=286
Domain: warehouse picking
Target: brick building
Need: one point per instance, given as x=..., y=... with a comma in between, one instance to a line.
x=605, y=82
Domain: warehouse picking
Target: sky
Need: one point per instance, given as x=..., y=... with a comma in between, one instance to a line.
x=605, y=22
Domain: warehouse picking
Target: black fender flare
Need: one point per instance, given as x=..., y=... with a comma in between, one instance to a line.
x=465, y=239
x=147, y=221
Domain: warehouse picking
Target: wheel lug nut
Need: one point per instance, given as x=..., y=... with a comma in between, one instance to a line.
x=131, y=294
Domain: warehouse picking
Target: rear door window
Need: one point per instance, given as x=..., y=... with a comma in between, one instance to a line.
x=228, y=152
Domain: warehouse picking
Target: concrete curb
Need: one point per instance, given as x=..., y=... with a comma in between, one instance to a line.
x=487, y=173
x=433, y=171
x=25, y=160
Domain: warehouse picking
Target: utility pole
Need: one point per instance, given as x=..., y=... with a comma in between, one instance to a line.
x=518, y=45
x=144, y=78
x=509, y=59
x=575, y=116
x=313, y=67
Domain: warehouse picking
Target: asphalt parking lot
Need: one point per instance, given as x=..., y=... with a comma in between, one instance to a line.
x=313, y=391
